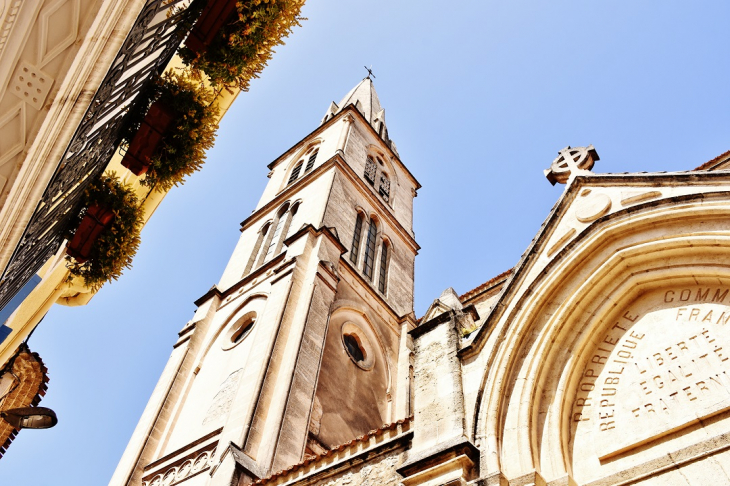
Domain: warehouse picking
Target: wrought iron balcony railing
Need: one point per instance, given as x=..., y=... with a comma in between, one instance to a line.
x=150, y=45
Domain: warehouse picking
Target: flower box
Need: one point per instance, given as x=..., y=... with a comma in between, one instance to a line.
x=145, y=142
x=94, y=222
x=214, y=16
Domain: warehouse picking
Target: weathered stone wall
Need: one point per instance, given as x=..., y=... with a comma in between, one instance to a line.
x=438, y=400
x=362, y=142
x=380, y=471
x=341, y=213
x=354, y=400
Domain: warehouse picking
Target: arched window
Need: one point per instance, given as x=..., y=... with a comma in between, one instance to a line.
x=384, y=188
x=295, y=172
x=370, y=170
x=274, y=240
x=292, y=218
x=257, y=248
x=370, y=250
x=383, y=277
x=310, y=161
x=355, y=250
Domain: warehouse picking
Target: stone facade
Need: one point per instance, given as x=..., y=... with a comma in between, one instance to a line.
x=601, y=358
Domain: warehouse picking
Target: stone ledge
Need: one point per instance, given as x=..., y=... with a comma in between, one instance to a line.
x=443, y=452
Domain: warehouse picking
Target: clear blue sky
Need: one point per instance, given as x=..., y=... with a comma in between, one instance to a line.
x=479, y=98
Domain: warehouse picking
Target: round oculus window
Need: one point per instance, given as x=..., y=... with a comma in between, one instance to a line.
x=357, y=346
x=239, y=330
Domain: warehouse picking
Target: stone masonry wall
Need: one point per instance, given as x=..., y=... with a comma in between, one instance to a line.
x=379, y=471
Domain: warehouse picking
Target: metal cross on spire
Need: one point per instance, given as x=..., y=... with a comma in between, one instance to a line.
x=370, y=72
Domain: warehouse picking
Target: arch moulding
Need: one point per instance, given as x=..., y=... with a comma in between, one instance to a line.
x=532, y=414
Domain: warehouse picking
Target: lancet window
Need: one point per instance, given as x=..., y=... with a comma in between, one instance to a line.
x=370, y=250
x=310, y=161
x=384, y=189
x=257, y=247
x=295, y=172
x=355, y=250
x=383, y=277
x=377, y=177
x=370, y=170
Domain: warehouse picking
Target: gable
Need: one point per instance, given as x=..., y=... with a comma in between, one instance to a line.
x=609, y=291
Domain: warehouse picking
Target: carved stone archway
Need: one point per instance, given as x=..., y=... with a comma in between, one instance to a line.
x=551, y=331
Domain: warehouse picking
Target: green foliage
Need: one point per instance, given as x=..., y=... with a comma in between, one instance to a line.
x=183, y=147
x=116, y=246
x=243, y=47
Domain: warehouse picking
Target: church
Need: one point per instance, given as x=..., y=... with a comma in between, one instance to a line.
x=601, y=358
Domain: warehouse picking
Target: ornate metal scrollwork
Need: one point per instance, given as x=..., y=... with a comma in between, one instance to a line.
x=148, y=48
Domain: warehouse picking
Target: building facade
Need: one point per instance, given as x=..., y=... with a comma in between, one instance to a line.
x=602, y=357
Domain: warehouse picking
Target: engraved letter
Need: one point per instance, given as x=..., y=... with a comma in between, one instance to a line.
x=719, y=298
x=702, y=297
x=658, y=381
x=668, y=298
x=719, y=354
x=682, y=295
x=606, y=425
x=583, y=402
x=607, y=340
x=637, y=336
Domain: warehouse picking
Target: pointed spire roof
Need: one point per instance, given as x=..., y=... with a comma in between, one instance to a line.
x=365, y=99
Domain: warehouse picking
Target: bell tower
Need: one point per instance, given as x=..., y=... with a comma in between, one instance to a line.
x=303, y=344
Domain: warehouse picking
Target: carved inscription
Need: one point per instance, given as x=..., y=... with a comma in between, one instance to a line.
x=661, y=366
x=223, y=400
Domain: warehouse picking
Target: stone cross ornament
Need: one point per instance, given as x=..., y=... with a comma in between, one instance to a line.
x=571, y=161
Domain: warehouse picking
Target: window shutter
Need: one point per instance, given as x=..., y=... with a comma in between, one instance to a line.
x=295, y=173
x=310, y=162
x=384, y=187
x=370, y=170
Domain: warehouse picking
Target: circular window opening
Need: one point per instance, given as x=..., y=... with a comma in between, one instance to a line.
x=353, y=348
x=242, y=332
x=239, y=330
x=357, y=346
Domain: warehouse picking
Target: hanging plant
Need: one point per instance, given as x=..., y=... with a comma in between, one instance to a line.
x=185, y=110
x=113, y=206
x=233, y=48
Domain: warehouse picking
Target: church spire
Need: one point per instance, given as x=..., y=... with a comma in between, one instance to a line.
x=364, y=97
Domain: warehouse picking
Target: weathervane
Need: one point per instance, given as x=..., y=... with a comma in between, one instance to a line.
x=370, y=72
x=571, y=161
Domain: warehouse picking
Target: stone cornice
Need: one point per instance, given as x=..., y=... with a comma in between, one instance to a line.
x=335, y=161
